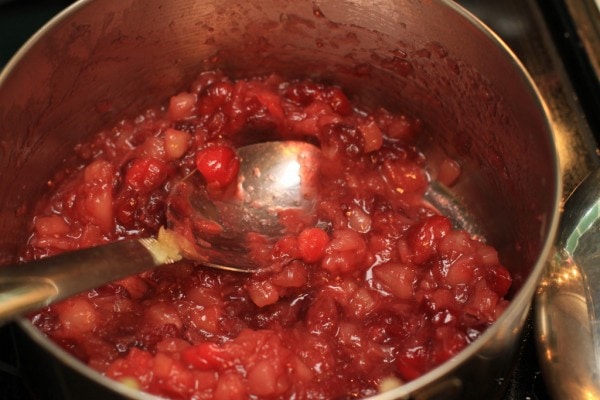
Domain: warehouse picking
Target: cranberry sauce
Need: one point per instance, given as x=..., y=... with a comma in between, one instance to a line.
x=382, y=291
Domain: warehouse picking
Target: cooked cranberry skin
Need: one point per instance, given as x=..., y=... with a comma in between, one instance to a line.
x=146, y=174
x=219, y=165
x=312, y=243
x=377, y=285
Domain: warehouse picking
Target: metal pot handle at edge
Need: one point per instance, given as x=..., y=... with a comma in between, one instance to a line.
x=567, y=311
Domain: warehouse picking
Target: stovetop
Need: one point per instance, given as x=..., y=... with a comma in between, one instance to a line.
x=556, y=41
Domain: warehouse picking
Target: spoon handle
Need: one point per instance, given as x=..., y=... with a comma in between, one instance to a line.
x=37, y=284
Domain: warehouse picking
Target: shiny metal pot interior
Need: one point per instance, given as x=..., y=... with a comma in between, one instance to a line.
x=100, y=60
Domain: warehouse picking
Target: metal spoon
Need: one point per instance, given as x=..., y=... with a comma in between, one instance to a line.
x=273, y=177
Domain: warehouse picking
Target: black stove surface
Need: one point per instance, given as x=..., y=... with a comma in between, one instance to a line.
x=543, y=36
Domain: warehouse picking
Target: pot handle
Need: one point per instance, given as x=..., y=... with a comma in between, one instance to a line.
x=567, y=311
x=37, y=284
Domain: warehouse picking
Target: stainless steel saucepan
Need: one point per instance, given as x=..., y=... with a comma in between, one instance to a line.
x=104, y=58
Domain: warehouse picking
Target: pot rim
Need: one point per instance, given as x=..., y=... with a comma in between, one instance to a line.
x=521, y=301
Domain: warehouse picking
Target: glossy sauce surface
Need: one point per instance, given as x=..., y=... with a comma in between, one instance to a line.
x=384, y=290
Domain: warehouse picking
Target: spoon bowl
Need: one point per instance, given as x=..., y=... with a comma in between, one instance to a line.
x=275, y=179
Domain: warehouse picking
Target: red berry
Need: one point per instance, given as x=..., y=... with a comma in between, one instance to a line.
x=219, y=165
x=312, y=243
